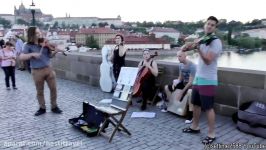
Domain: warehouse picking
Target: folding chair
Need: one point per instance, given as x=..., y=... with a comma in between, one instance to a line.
x=120, y=102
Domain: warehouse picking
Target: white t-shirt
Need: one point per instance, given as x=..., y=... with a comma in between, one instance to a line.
x=205, y=71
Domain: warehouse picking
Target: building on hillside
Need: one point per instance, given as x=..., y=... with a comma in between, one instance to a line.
x=160, y=32
x=88, y=21
x=25, y=13
x=100, y=34
x=67, y=35
x=8, y=17
x=142, y=42
x=256, y=33
x=2, y=32
x=19, y=30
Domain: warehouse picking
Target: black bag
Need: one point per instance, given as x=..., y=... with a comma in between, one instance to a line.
x=251, y=118
x=89, y=121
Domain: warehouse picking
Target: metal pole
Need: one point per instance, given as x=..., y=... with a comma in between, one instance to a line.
x=33, y=13
x=33, y=17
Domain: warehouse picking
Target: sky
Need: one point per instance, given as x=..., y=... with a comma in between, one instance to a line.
x=148, y=10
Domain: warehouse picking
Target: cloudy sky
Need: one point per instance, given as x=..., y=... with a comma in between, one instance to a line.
x=149, y=10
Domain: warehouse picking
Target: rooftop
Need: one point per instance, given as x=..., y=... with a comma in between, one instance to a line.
x=140, y=40
x=159, y=29
x=97, y=31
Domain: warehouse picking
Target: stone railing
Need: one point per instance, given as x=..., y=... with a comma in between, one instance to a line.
x=235, y=85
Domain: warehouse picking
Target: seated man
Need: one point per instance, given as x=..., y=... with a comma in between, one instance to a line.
x=187, y=71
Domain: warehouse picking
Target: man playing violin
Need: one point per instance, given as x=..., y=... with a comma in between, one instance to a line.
x=38, y=51
x=205, y=82
x=187, y=70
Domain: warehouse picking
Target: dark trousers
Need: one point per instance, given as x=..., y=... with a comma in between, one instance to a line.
x=28, y=66
x=147, y=90
x=9, y=73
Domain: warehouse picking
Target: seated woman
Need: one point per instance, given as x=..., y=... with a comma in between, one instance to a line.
x=149, y=83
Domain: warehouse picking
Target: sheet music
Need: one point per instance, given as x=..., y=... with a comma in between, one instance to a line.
x=143, y=115
x=127, y=76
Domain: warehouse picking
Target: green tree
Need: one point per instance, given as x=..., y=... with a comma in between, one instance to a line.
x=55, y=25
x=63, y=25
x=263, y=43
x=248, y=42
x=91, y=42
x=103, y=24
x=229, y=36
x=169, y=39
x=93, y=25
x=5, y=23
x=39, y=24
x=22, y=22
x=46, y=26
x=112, y=26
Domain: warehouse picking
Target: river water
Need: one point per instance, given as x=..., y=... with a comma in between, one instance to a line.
x=253, y=61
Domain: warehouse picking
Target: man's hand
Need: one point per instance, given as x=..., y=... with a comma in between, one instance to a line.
x=35, y=55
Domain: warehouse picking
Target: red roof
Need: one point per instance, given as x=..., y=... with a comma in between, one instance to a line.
x=158, y=29
x=140, y=40
x=96, y=31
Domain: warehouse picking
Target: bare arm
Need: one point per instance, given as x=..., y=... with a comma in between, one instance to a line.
x=6, y=57
x=208, y=57
x=154, y=69
x=189, y=84
x=25, y=57
x=213, y=52
x=180, y=78
x=140, y=66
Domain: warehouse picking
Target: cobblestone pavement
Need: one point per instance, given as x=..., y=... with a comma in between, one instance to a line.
x=20, y=129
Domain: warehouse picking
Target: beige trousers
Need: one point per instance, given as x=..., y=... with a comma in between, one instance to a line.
x=40, y=76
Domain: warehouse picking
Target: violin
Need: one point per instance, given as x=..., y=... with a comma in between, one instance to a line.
x=50, y=46
x=207, y=39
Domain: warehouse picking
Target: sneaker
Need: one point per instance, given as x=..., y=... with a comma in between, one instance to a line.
x=40, y=112
x=188, y=121
x=57, y=110
x=8, y=88
x=164, y=110
x=15, y=88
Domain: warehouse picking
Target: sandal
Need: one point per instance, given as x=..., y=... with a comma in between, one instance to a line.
x=189, y=130
x=208, y=140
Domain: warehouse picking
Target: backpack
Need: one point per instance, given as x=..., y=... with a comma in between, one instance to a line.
x=251, y=118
